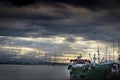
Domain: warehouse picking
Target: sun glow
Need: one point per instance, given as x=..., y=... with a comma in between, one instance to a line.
x=53, y=39
x=23, y=50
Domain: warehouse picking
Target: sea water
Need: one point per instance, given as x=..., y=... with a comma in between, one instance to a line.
x=33, y=72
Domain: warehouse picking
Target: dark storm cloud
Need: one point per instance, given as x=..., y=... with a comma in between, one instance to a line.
x=92, y=4
x=21, y=14
x=58, y=25
x=10, y=32
x=54, y=17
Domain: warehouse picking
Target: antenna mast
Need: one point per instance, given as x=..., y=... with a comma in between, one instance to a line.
x=113, y=49
x=106, y=53
x=98, y=52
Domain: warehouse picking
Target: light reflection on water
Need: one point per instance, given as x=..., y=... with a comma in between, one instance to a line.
x=33, y=72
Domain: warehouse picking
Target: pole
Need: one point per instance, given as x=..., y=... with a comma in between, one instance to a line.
x=106, y=53
x=98, y=52
x=113, y=50
x=94, y=59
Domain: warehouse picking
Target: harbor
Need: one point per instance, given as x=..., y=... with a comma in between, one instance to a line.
x=59, y=39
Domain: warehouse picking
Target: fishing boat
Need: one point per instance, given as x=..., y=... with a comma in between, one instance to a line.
x=84, y=69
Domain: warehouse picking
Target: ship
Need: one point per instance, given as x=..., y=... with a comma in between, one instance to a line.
x=84, y=69
x=95, y=68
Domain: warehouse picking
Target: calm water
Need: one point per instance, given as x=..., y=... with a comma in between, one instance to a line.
x=33, y=72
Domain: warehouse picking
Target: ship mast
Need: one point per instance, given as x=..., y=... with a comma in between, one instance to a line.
x=98, y=52
x=106, y=53
x=90, y=57
x=119, y=50
x=79, y=57
x=94, y=58
x=113, y=50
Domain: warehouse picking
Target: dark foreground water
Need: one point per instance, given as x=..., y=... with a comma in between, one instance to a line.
x=33, y=72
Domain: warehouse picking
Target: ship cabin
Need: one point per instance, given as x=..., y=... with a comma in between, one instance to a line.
x=79, y=62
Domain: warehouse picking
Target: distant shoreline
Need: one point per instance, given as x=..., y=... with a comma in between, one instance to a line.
x=34, y=64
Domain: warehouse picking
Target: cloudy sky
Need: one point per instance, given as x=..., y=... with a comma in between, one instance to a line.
x=60, y=26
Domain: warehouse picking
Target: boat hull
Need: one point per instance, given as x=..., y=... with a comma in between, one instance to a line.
x=99, y=72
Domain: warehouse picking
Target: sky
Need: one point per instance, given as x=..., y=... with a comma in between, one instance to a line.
x=62, y=27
